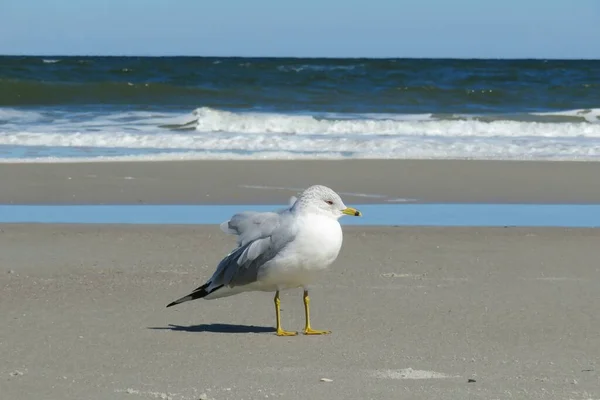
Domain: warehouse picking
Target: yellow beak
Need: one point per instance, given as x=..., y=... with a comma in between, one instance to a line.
x=352, y=211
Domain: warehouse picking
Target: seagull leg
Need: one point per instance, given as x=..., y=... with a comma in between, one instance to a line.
x=307, y=329
x=280, y=331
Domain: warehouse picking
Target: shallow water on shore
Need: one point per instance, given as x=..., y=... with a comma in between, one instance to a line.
x=538, y=215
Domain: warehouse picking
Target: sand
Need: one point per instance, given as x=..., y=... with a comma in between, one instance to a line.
x=416, y=313
x=254, y=182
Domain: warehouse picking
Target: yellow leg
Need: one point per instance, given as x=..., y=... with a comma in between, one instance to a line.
x=307, y=329
x=280, y=331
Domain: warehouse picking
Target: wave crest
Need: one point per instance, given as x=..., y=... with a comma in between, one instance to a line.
x=212, y=133
x=540, y=125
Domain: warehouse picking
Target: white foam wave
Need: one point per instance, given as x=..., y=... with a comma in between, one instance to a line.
x=590, y=115
x=211, y=120
x=171, y=157
x=8, y=115
x=320, y=147
x=210, y=133
x=66, y=121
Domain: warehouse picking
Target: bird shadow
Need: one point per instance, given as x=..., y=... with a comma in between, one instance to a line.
x=218, y=328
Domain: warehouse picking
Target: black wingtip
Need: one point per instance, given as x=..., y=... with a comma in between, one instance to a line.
x=181, y=300
x=196, y=294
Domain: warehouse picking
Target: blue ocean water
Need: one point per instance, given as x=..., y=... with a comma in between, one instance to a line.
x=107, y=108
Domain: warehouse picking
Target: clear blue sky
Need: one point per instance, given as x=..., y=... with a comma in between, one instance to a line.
x=313, y=28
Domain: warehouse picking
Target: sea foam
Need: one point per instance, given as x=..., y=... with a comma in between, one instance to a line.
x=212, y=133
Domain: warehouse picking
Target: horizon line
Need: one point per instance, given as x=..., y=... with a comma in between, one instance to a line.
x=302, y=57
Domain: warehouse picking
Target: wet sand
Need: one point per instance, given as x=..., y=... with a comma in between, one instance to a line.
x=259, y=182
x=416, y=313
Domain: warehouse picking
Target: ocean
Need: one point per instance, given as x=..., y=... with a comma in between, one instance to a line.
x=173, y=108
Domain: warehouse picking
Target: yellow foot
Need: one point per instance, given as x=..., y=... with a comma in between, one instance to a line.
x=311, y=331
x=281, y=332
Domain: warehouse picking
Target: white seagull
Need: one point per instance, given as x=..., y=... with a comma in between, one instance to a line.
x=280, y=250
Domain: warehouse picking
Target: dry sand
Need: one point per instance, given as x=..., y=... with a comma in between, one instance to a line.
x=236, y=182
x=415, y=314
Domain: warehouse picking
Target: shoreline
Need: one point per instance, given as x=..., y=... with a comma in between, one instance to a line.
x=373, y=215
x=253, y=158
x=274, y=181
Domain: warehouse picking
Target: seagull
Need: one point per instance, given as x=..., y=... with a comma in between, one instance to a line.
x=280, y=250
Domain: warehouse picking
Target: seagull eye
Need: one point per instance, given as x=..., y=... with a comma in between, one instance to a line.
x=329, y=202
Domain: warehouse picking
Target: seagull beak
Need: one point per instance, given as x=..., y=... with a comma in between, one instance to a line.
x=351, y=211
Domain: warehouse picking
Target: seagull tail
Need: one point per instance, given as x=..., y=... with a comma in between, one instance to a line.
x=199, y=293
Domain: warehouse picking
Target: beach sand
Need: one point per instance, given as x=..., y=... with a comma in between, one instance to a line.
x=273, y=182
x=415, y=313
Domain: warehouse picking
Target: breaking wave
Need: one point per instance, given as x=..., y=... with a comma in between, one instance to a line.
x=212, y=133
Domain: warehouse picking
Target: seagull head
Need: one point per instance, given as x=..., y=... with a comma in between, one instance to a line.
x=323, y=200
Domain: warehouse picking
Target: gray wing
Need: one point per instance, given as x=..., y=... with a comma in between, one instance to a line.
x=252, y=225
x=261, y=236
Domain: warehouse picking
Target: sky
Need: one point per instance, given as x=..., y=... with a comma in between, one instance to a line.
x=308, y=28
